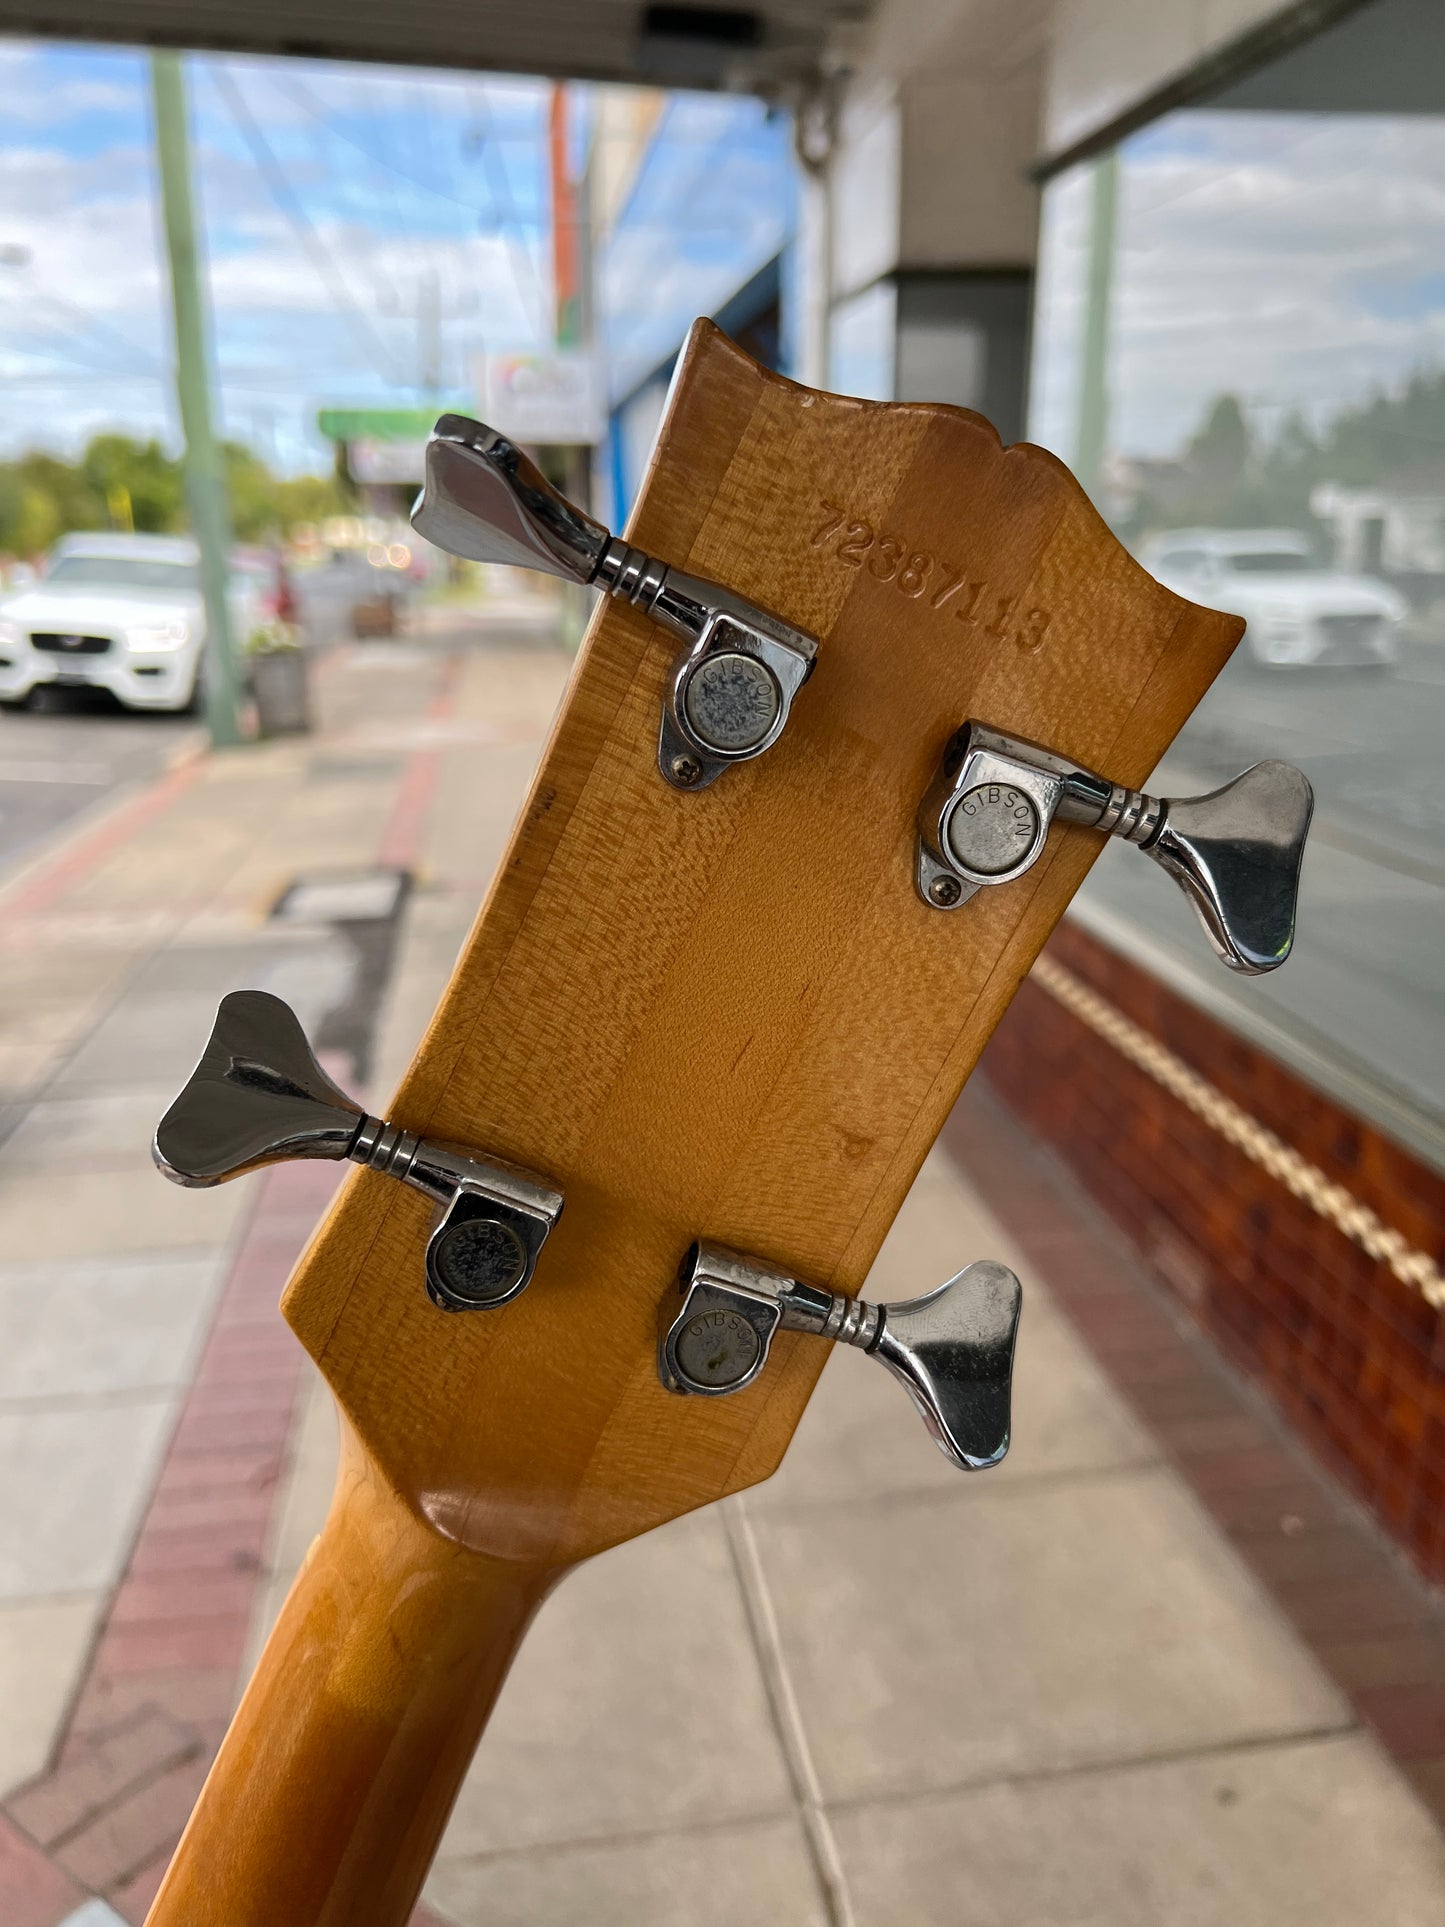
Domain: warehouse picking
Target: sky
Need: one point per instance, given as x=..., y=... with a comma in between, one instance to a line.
x=1296, y=260
x=332, y=197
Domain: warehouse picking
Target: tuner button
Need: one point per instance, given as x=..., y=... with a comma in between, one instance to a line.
x=1236, y=854
x=484, y=500
x=952, y=1351
x=257, y=1096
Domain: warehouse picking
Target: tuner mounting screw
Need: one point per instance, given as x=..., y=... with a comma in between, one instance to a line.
x=685, y=770
x=945, y=891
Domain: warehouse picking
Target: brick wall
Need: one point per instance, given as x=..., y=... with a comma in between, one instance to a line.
x=1350, y=1355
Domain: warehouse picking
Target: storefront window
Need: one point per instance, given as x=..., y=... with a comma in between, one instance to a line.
x=1270, y=438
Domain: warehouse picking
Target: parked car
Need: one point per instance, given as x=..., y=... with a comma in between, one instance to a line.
x=118, y=612
x=1298, y=614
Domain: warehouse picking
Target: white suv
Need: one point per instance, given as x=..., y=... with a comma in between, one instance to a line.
x=1298, y=614
x=123, y=612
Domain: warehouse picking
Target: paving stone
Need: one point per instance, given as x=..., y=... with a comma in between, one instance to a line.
x=723, y=1877
x=72, y=1484
x=133, y=1897
x=43, y=1647
x=97, y=1770
x=105, y=1212
x=1060, y=1623
x=1316, y=1834
x=34, y=1892
x=127, y=1836
x=153, y=1039
x=77, y=1327
x=25, y=1067
x=81, y=1133
x=635, y=1703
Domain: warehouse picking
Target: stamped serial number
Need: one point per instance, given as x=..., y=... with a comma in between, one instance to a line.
x=919, y=576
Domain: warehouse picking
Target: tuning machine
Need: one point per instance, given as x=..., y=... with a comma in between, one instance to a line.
x=951, y=1350
x=258, y=1096
x=732, y=686
x=1235, y=853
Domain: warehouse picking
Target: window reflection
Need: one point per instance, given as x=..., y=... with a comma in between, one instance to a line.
x=1269, y=409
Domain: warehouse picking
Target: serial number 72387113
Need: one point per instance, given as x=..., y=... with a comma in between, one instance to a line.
x=918, y=575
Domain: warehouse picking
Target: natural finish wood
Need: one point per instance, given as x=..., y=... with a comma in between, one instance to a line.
x=341, y=1766
x=722, y=1014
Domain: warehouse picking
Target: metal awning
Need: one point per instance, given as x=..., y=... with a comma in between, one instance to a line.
x=770, y=47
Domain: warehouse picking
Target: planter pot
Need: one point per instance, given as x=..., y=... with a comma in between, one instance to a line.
x=280, y=683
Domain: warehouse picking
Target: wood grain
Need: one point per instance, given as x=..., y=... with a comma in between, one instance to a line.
x=722, y=1015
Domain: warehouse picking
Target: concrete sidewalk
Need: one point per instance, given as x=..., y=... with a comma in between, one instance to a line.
x=869, y=1692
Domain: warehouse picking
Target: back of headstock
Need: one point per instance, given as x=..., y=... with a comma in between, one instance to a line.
x=728, y=1014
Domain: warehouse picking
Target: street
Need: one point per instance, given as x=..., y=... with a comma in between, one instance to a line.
x=1358, y=1006
x=67, y=754
x=74, y=747
x=1368, y=740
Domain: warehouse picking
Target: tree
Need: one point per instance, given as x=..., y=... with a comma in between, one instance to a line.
x=43, y=497
x=116, y=466
x=251, y=488
x=1220, y=451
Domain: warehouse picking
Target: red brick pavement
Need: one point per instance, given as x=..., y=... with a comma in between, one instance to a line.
x=162, y=1677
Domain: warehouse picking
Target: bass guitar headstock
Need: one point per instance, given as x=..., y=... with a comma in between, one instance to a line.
x=864, y=697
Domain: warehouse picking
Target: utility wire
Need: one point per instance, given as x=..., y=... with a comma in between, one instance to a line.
x=285, y=198
x=533, y=300
x=494, y=161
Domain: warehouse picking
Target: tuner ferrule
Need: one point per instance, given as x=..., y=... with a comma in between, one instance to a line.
x=1131, y=815
x=385, y=1147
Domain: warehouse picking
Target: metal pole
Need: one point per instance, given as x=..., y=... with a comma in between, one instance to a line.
x=205, y=476
x=1093, y=429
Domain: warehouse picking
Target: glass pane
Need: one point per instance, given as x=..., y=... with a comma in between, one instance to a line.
x=1275, y=387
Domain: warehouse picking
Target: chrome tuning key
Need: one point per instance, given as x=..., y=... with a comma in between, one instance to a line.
x=951, y=1350
x=1235, y=853
x=733, y=684
x=258, y=1096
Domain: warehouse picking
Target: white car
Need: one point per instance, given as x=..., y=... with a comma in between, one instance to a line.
x=121, y=612
x=1299, y=614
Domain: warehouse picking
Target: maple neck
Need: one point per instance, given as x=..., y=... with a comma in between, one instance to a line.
x=326, y=1802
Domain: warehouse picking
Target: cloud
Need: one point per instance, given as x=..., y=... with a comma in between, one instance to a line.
x=388, y=178
x=1292, y=259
